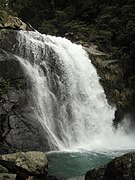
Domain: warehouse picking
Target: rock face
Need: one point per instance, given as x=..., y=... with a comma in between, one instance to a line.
x=10, y=22
x=35, y=163
x=121, y=168
x=19, y=129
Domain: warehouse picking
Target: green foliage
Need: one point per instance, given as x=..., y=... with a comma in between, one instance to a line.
x=47, y=27
x=4, y=85
x=3, y=4
x=34, y=12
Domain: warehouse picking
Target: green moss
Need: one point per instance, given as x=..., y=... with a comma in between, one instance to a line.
x=4, y=86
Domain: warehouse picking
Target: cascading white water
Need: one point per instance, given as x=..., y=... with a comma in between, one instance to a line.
x=67, y=97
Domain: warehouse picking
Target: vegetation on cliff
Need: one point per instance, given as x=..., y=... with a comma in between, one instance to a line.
x=4, y=85
x=108, y=24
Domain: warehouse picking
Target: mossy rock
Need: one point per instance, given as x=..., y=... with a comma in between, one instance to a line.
x=10, y=22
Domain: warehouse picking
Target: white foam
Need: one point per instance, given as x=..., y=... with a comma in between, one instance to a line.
x=83, y=118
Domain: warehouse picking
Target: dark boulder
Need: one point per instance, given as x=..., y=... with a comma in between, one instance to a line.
x=120, y=168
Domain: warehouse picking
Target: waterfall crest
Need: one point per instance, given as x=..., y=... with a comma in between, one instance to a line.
x=67, y=97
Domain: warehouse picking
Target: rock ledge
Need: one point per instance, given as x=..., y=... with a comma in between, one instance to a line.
x=10, y=22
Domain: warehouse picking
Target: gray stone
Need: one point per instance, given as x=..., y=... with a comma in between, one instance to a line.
x=7, y=176
x=35, y=163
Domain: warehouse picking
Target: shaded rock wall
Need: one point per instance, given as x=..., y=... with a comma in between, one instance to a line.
x=19, y=129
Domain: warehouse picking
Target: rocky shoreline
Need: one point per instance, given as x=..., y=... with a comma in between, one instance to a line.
x=35, y=164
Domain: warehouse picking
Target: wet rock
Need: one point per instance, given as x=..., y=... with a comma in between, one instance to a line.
x=120, y=168
x=19, y=128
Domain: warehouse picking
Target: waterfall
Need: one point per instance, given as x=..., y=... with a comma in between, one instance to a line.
x=67, y=97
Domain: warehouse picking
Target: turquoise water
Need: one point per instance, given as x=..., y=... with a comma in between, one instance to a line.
x=68, y=164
